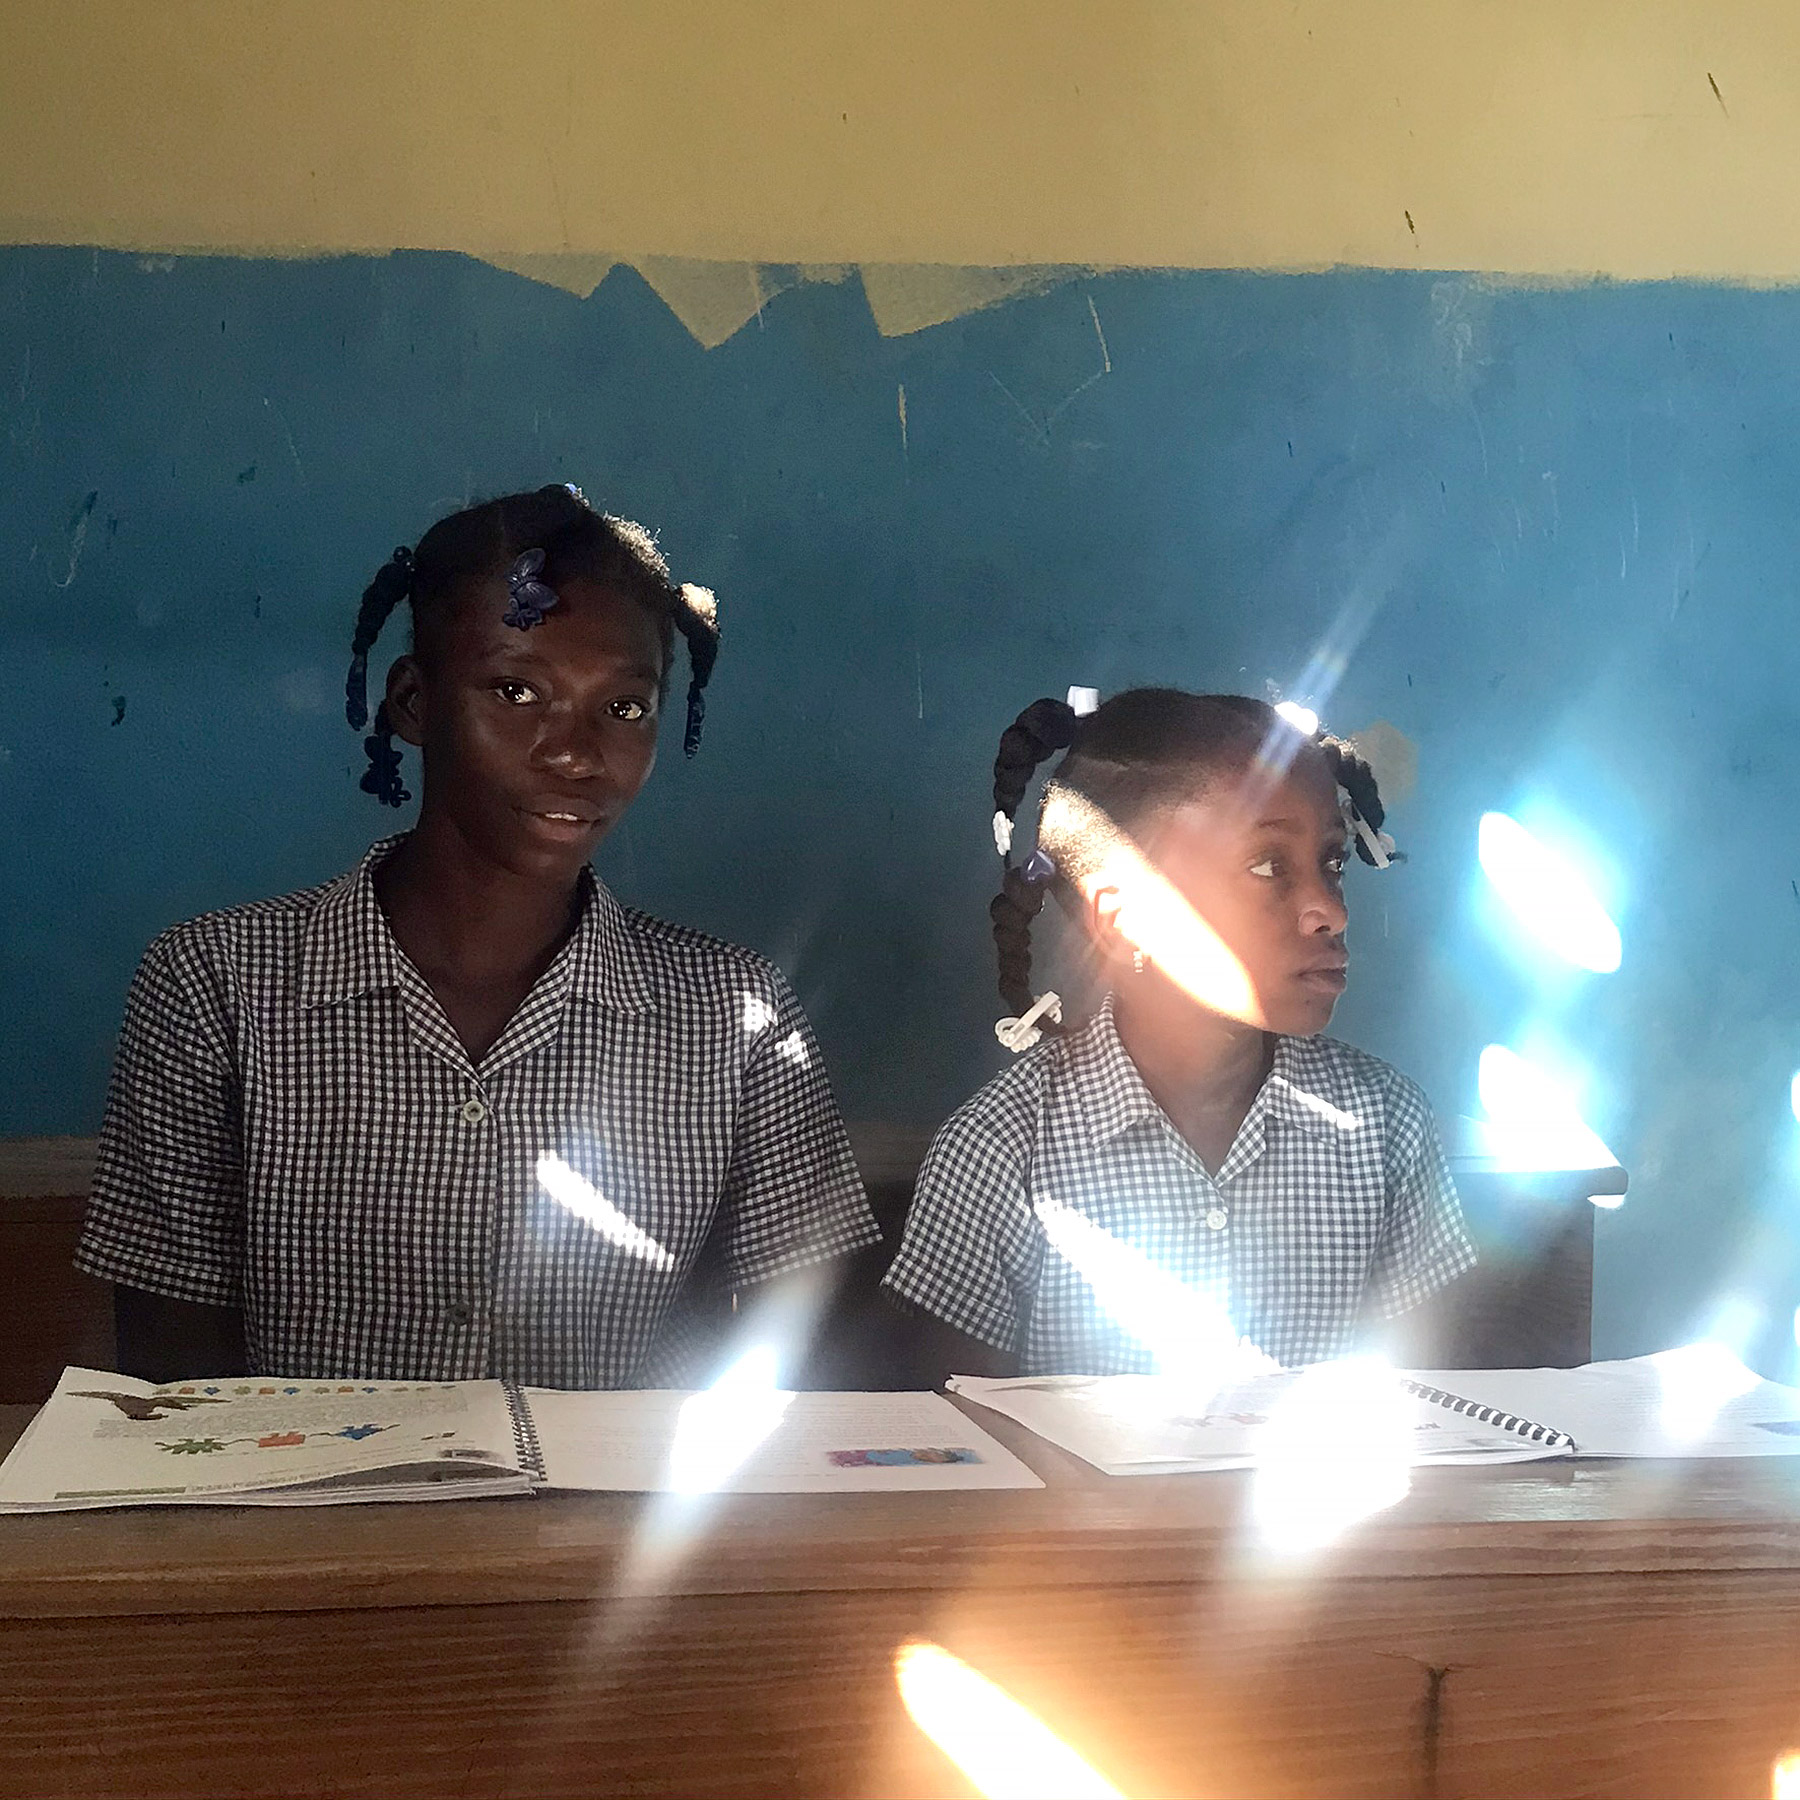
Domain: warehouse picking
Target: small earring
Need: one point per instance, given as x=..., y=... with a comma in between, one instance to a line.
x=1137, y=962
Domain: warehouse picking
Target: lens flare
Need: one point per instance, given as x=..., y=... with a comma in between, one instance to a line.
x=1303, y=719
x=570, y=1188
x=1188, y=1332
x=1151, y=913
x=1337, y=1448
x=718, y=1430
x=1534, y=1123
x=1004, y=1749
x=1548, y=895
x=1697, y=1381
x=1784, y=1778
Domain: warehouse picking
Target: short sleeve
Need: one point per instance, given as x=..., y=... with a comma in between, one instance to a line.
x=167, y=1212
x=793, y=1196
x=971, y=1242
x=1423, y=1245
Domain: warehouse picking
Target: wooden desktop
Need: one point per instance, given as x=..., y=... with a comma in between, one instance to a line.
x=1542, y=1629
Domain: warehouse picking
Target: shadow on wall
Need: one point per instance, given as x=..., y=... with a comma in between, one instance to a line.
x=1544, y=535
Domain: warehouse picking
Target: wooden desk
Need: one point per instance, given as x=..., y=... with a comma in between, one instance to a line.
x=1541, y=1630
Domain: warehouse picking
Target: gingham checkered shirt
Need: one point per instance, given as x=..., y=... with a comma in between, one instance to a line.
x=294, y=1129
x=1334, y=1205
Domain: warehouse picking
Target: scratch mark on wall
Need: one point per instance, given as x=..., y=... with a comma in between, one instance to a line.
x=1105, y=354
x=1410, y=226
x=919, y=682
x=118, y=706
x=78, y=528
x=293, y=448
x=903, y=446
x=1726, y=110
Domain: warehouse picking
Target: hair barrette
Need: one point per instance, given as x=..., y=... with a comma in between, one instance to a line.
x=529, y=598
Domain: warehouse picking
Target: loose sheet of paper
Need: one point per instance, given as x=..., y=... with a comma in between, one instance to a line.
x=106, y=1440
x=1696, y=1401
x=765, y=1443
x=1146, y=1425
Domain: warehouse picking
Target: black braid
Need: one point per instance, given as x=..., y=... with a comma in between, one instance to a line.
x=697, y=619
x=1042, y=729
x=1352, y=773
x=392, y=584
x=382, y=777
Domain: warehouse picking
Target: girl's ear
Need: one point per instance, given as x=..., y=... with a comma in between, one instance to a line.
x=1102, y=901
x=406, y=700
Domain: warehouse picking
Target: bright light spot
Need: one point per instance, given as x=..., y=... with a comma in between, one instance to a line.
x=1534, y=1123
x=1548, y=895
x=1188, y=1332
x=1319, y=1107
x=1337, y=1448
x=570, y=1188
x=1785, y=1778
x=1303, y=719
x=1697, y=1380
x=759, y=1015
x=1005, y=1750
x=793, y=1049
x=1152, y=915
x=718, y=1430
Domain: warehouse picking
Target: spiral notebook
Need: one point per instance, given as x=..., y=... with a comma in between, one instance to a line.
x=1149, y=1425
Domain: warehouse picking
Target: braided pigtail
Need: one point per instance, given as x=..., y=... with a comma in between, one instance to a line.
x=1038, y=733
x=697, y=619
x=1363, y=811
x=392, y=584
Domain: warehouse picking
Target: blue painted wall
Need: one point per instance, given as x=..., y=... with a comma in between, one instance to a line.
x=1548, y=534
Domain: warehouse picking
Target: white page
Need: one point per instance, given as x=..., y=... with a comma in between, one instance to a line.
x=1143, y=1425
x=1672, y=1404
x=758, y=1443
x=259, y=1440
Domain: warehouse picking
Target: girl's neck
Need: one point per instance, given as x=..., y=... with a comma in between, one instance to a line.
x=1203, y=1069
x=463, y=919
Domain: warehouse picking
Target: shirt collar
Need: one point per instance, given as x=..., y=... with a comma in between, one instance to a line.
x=348, y=949
x=1114, y=1097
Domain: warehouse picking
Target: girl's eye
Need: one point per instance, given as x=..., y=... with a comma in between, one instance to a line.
x=1265, y=868
x=630, y=709
x=515, y=693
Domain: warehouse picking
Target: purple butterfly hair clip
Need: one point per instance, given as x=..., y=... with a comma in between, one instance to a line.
x=530, y=598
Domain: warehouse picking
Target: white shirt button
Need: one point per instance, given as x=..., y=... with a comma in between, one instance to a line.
x=1215, y=1219
x=473, y=1112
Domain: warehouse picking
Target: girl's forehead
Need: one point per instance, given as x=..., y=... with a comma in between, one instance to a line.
x=587, y=613
x=1302, y=796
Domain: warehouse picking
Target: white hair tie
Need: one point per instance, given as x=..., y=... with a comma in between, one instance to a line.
x=1021, y=1034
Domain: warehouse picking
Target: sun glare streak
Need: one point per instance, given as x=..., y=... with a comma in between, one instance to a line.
x=1534, y=1123
x=1152, y=914
x=1189, y=1333
x=1337, y=1448
x=1303, y=719
x=571, y=1189
x=1697, y=1381
x=1548, y=895
x=1784, y=1778
x=759, y=1015
x=1004, y=1749
x=719, y=1429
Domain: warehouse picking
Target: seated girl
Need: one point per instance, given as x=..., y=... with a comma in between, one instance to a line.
x=459, y=1112
x=1196, y=1151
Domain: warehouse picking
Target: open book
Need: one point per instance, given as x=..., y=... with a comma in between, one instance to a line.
x=105, y=1440
x=1698, y=1401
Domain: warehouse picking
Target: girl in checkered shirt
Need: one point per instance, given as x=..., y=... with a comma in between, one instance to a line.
x=459, y=1113
x=1196, y=1162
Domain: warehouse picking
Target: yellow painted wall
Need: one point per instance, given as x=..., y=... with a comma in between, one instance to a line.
x=1544, y=137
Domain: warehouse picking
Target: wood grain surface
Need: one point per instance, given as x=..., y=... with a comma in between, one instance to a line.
x=1617, y=1630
